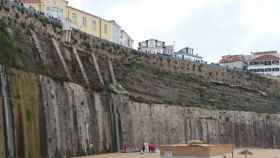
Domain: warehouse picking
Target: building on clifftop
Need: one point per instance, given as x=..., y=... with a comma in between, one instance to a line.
x=126, y=40
x=266, y=63
x=81, y=20
x=188, y=54
x=234, y=62
x=153, y=46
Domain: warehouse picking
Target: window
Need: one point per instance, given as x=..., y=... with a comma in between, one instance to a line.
x=84, y=21
x=275, y=69
x=267, y=70
x=276, y=62
x=267, y=63
x=94, y=25
x=55, y=12
x=152, y=43
x=105, y=28
x=159, y=44
x=74, y=18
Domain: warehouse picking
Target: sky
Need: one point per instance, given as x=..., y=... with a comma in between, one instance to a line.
x=212, y=27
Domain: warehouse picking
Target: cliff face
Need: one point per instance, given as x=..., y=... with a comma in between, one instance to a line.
x=93, y=96
x=168, y=124
x=53, y=119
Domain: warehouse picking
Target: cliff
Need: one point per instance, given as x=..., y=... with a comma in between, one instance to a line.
x=93, y=96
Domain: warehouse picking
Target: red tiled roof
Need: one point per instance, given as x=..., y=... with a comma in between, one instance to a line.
x=30, y=1
x=232, y=58
x=266, y=57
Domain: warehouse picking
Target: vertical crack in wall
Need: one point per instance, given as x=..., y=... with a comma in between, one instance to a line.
x=8, y=116
x=58, y=51
x=2, y=134
x=80, y=65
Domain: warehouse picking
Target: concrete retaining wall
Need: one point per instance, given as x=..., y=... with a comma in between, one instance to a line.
x=167, y=124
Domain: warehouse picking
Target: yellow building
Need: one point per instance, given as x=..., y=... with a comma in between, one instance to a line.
x=54, y=8
x=78, y=19
x=89, y=23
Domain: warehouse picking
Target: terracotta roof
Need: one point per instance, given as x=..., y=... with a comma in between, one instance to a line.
x=232, y=58
x=266, y=57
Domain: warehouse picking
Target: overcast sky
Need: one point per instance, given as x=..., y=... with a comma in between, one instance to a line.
x=212, y=27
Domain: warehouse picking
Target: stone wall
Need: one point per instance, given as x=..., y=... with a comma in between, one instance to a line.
x=2, y=132
x=55, y=119
x=92, y=96
x=168, y=124
x=77, y=121
x=25, y=102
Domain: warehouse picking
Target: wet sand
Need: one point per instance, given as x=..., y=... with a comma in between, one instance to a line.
x=257, y=153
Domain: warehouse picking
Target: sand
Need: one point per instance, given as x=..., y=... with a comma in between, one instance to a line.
x=258, y=153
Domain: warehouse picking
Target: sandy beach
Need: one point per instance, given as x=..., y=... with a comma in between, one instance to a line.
x=257, y=153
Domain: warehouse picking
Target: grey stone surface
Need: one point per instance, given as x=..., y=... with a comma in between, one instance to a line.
x=77, y=122
x=168, y=124
x=8, y=113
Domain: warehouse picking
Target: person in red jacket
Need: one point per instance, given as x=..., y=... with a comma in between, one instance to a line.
x=152, y=148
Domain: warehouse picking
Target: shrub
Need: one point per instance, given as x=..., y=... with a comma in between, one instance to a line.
x=9, y=53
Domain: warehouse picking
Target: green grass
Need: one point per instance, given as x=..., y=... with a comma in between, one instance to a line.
x=9, y=53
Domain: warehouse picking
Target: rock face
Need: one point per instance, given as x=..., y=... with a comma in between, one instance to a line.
x=2, y=136
x=24, y=93
x=55, y=119
x=94, y=96
x=168, y=124
x=77, y=121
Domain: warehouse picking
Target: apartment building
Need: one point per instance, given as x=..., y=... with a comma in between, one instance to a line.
x=266, y=63
x=234, y=62
x=53, y=8
x=89, y=23
x=188, y=53
x=82, y=20
x=126, y=40
x=153, y=46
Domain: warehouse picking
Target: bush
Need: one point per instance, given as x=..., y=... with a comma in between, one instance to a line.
x=9, y=53
x=44, y=20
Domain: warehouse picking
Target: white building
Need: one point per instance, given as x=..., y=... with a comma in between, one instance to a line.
x=126, y=40
x=121, y=37
x=266, y=63
x=116, y=32
x=188, y=54
x=153, y=46
x=234, y=62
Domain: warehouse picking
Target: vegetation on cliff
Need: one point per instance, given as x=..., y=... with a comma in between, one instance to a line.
x=9, y=53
